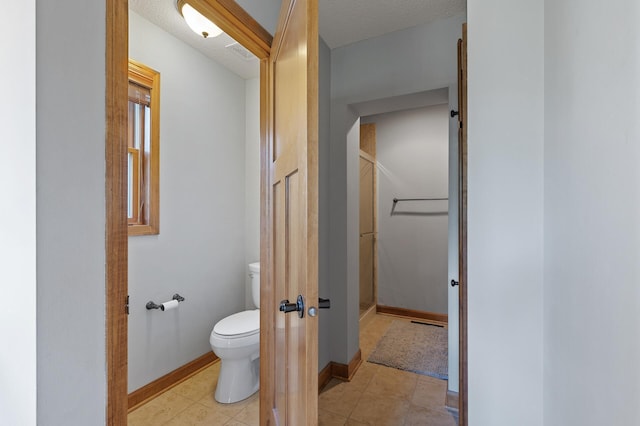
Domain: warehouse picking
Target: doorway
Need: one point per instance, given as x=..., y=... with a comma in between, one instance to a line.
x=116, y=238
x=258, y=42
x=448, y=98
x=413, y=237
x=205, y=261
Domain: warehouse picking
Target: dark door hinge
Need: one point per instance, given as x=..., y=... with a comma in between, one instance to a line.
x=126, y=306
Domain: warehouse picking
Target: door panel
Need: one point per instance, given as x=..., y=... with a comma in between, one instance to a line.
x=368, y=218
x=367, y=234
x=289, y=346
x=366, y=196
x=366, y=271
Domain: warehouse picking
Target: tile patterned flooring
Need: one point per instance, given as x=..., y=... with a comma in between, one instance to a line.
x=377, y=395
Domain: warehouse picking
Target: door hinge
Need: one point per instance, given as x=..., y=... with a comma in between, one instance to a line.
x=126, y=306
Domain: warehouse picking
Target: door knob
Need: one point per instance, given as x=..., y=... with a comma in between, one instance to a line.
x=454, y=283
x=286, y=306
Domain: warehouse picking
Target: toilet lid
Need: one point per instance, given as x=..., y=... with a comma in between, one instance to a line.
x=240, y=323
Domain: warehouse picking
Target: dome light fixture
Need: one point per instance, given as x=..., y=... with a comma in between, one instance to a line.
x=198, y=22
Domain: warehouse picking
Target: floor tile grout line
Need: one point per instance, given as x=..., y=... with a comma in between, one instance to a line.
x=179, y=412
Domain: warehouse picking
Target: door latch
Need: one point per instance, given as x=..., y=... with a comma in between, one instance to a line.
x=286, y=306
x=322, y=304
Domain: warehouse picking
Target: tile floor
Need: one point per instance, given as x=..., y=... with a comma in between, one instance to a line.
x=377, y=395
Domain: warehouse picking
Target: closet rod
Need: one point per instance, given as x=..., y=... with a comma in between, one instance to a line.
x=395, y=200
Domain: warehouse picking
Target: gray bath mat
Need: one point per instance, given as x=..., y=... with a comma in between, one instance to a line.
x=420, y=348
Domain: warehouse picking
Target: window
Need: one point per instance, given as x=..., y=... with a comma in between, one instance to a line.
x=143, y=153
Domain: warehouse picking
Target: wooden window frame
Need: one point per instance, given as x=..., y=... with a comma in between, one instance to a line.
x=148, y=222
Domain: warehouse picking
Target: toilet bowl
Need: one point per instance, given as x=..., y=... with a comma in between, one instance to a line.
x=236, y=341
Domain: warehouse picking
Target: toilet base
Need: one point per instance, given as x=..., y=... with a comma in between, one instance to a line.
x=238, y=379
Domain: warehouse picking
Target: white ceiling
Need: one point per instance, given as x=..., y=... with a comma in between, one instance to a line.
x=341, y=22
x=164, y=13
x=344, y=22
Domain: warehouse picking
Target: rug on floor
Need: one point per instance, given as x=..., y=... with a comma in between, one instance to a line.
x=415, y=347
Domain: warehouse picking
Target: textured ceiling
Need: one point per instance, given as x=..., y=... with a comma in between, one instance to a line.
x=164, y=14
x=341, y=22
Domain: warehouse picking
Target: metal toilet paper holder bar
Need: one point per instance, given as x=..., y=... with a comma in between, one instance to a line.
x=152, y=305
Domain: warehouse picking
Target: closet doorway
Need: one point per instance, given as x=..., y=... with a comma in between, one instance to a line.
x=368, y=220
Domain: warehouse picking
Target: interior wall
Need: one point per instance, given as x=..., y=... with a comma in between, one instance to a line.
x=252, y=181
x=200, y=251
x=412, y=153
x=592, y=206
x=70, y=209
x=324, y=289
x=505, y=211
x=18, y=213
x=70, y=342
x=428, y=55
x=266, y=12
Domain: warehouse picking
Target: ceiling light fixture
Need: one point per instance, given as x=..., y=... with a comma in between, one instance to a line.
x=197, y=22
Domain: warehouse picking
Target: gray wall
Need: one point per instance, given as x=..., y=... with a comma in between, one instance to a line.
x=252, y=181
x=200, y=251
x=70, y=123
x=324, y=289
x=266, y=12
x=412, y=153
x=428, y=59
x=18, y=214
x=591, y=213
x=505, y=384
x=505, y=215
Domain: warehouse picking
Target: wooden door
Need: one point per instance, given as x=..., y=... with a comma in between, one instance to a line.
x=367, y=233
x=368, y=218
x=462, y=225
x=289, y=341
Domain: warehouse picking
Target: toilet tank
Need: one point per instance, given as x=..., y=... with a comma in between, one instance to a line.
x=254, y=274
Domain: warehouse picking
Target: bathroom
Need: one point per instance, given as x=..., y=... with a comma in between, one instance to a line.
x=209, y=205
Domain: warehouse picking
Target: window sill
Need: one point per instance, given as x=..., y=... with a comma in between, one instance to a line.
x=143, y=230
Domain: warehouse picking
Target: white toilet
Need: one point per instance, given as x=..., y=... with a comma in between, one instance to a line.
x=236, y=341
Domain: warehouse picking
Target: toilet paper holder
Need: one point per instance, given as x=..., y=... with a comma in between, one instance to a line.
x=152, y=305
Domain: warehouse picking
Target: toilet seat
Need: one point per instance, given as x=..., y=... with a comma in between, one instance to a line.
x=241, y=324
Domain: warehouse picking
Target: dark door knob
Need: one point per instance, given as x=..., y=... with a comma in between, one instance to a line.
x=324, y=303
x=454, y=283
x=286, y=306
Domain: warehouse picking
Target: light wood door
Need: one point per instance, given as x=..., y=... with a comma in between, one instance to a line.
x=289, y=349
x=367, y=233
x=368, y=218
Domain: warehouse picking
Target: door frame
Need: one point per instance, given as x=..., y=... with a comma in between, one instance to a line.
x=236, y=22
x=463, y=379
